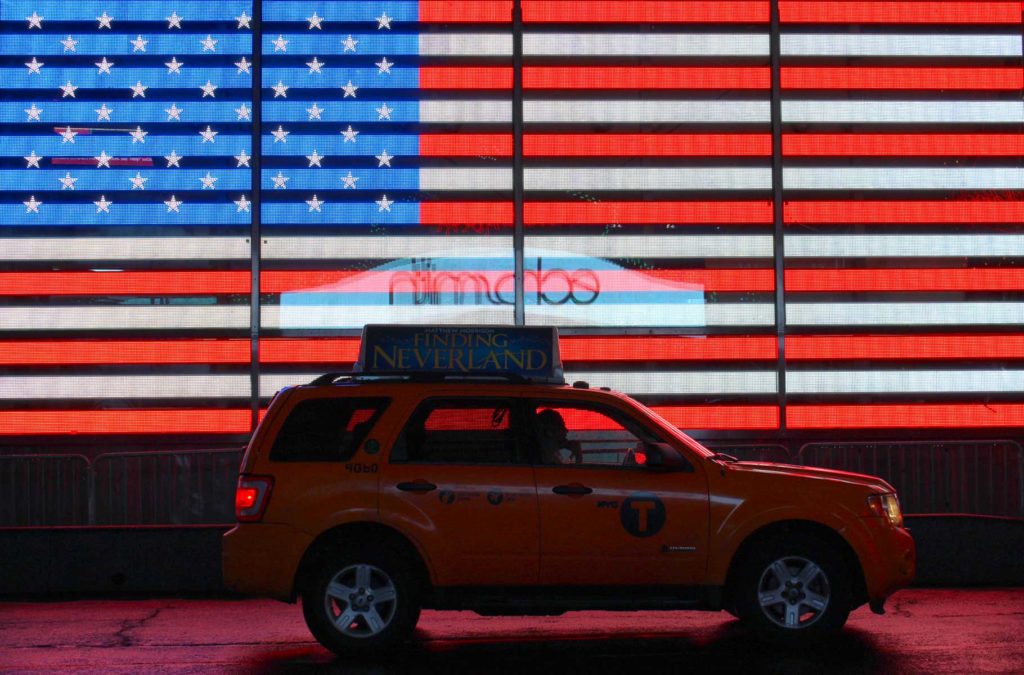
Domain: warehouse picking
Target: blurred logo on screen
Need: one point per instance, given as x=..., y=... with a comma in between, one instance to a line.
x=559, y=289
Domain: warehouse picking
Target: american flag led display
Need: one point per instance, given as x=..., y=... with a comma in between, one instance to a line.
x=386, y=189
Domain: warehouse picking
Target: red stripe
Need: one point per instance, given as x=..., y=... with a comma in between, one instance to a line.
x=900, y=145
x=904, y=416
x=596, y=77
x=466, y=213
x=641, y=213
x=312, y=280
x=341, y=351
x=644, y=11
x=478, y=11
x=816, y=11
x=114, y=161
x=552, y=281
x=465, y=145
x=574, y=349
x=721, y=417
x=901, y=347
x=599, y=145
x=122, y=352
x=908, y=77
x=464, y=77
x=645, y=77
x=585, y=349
x=646, y=145
x=882, y=212
x=106, y=422
x=974, y=279
x=124, y=283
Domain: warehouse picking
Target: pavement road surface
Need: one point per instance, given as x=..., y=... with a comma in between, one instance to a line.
x=924, y=631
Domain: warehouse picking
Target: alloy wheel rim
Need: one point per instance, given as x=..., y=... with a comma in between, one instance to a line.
x=793, y=592
x=360, y=601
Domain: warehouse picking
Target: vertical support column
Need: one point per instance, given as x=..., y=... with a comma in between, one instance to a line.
x=518, y=232
x=777, y=211
x=255, y=229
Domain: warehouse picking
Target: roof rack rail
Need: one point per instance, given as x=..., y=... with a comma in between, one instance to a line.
x=327, y=378
x=330, y=378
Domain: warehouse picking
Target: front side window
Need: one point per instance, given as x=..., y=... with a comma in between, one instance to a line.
x=587, y=435
x=326, y=429
x=459, y=431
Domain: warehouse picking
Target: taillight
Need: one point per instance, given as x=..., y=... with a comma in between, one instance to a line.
x=251, y=497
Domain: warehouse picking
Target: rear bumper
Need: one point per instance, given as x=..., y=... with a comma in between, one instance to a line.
x=262, y=559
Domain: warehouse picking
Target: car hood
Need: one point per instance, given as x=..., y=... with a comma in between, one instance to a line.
x=833, y=475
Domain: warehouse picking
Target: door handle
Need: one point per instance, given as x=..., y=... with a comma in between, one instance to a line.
x=416, y=486
x=573, y=490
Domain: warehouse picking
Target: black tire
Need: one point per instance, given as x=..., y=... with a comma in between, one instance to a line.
x=372, y=585
x=793, y=590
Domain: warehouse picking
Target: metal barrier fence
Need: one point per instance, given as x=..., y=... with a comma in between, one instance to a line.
x=165, y=488
x=41, y=490
x=981, y=478
x=194, y=487
x=197, y=487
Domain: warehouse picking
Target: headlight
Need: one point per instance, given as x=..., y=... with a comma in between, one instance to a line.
x=887, y=505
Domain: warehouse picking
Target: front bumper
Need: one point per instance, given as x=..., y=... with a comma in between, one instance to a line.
x=262, y=559
x=889, y=560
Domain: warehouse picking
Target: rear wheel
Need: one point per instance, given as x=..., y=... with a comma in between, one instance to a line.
x=793, y=590
x=361, y=601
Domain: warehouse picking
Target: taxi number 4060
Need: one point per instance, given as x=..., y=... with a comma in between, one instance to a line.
x=358, y=467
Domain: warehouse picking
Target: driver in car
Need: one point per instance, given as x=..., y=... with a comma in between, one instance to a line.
x=555, y=446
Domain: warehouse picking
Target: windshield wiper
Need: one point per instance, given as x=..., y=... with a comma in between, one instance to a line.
x=724, y=457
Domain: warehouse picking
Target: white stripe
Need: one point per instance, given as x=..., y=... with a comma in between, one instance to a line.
x=902, y=178
x=646, y=178
x=712, y=383
x=448, y=246
x=500, y=246
x=465, y=112
x=904, y=381
x=356, y=316
x=904, y=245
x=123, y=317
x=307, y=316
x=644, y=44
x=903, y=313
x=589, y=112
x=596, y=111
x=902, y=112
x=865, y=44
x=655, y=246
x=124, y=386
x=452, y=178
x=126, y=248
x=465, y=44
x=639, y=314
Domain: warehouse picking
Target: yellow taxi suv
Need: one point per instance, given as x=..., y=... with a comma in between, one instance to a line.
x=455, y=469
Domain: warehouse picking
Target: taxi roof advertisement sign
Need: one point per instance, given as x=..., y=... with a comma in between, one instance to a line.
x=529, y=352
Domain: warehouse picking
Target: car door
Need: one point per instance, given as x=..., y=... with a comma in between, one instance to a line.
x=458, y=479
x=606, y=517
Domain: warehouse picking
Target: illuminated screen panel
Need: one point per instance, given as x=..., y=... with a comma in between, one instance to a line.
x=647, y=134
x=387, y=167
x=903, y=208
x=647, y=150
x=124, y=193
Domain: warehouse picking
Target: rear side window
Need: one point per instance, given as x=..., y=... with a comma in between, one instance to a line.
x=326, y=429
x=459, y=431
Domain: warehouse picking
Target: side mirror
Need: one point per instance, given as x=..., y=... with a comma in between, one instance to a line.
x=663, y=457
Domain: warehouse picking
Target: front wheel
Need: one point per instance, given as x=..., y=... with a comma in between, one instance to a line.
x=793, y=590
x=361, y=601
